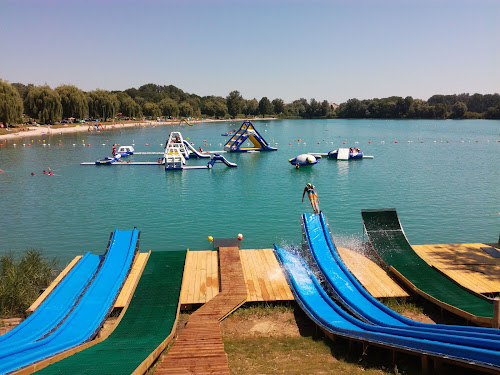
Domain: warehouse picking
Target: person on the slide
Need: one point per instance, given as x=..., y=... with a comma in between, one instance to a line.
x=313, y=197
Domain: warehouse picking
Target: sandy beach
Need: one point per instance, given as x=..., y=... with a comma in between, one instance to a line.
x=38, y=131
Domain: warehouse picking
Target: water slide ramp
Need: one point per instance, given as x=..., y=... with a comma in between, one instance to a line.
x=390, y=243
x=92, y=309
x=194, y=151
x=354, y=297
x=146, y=324
x=332, y=318
x=56, y=306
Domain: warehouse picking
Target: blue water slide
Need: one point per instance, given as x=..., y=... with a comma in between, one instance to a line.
x=55, y=307
x=354, y=297
x=218, y=157
x=324, y=312
x=94, y=306
x=194, y=152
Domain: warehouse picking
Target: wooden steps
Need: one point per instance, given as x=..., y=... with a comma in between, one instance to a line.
x=199, y=348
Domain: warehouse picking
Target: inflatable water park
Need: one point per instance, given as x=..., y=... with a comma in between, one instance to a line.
x=65, y=331
x=178, y=150
x=174, y=157
x=247, y=132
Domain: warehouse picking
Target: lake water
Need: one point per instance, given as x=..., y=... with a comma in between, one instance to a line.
x=446, y=189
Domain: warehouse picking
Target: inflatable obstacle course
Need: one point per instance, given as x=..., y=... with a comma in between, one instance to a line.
x=247, y=132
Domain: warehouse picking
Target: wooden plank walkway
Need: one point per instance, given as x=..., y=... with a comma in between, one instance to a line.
x=376, y=281
x=199, y=348
x=466, y=264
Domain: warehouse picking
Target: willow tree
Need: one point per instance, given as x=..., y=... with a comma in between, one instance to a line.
x=169, y=108
x=103, y=104
x=151, y=109
x=43, y=104
x=74, y=101
x=185, y=109
x=11, y=104
x=128, y=106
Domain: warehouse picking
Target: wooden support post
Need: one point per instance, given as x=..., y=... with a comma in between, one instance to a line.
x=496, y=313
x=425, y=364
x=438, y=366
x=394, y=356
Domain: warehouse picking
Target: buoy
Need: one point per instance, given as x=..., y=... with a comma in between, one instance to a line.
x=240, y=236
x=88, y=145
x=210, y=238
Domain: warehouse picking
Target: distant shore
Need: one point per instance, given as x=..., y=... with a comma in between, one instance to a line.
x=38, y=131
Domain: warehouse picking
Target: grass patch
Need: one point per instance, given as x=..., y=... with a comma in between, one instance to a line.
x=299, y=355
x=262, y=310
x=22, y=279
x=401, y=305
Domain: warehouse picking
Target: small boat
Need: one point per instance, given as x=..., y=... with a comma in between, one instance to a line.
x=305, y=159
x=345, y=154
x=125, y=151
x=109, y=160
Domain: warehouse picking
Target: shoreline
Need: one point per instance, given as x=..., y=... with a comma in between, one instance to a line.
x=38, y=131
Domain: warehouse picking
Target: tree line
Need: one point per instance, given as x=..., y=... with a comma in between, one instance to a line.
x=46, y=105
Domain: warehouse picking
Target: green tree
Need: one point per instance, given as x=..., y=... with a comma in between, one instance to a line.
x=169, y=107
x=279, y=105
x=128, y=106
x=185, y=109
x=265, y=107
x=458, y=110
x=251, y=107
x=234, y=102
x=208, y=107
x=44, y=104
x=151, y=109
x=11, y=104
x=22, y=89
x=103, y=104
x=74, y=102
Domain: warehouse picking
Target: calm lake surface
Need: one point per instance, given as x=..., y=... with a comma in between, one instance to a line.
x=446, y=189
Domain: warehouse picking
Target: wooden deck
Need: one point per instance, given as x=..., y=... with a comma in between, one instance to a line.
x=199, y=348
x=370, y=275
x=466, y=264
x=265, y=280
x=263, y=276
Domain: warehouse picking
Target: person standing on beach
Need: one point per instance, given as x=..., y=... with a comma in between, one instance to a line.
x=313, y=197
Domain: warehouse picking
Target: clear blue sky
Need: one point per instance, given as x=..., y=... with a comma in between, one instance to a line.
x=332, y=50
